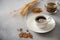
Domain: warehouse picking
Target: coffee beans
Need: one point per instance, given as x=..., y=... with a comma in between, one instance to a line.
x=20, y=29
x=30, y=35
x=36, y=10
x=27, y=30
x=23, y=34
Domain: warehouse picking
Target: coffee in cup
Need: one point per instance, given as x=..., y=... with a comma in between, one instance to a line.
x=41, y=21
x=51, y=7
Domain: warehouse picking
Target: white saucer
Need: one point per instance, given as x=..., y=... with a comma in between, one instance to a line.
x=32, y=26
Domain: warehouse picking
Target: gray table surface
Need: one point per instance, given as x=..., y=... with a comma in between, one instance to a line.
x=9, y=23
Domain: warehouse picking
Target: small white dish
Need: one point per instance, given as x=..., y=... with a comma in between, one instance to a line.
x=32, y=25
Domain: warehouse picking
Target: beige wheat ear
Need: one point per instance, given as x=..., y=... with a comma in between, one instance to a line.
x=25, y=8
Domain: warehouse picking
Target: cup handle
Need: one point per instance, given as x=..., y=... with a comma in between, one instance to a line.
x=49, y=19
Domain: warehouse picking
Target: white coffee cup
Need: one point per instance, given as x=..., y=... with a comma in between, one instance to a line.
x=45, y=23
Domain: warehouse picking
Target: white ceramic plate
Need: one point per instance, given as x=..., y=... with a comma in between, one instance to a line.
x=31, y=25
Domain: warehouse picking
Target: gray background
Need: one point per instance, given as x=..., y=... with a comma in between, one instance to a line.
x=10, y=22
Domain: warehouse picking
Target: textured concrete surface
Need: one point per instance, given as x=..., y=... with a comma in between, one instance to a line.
x=9, y=23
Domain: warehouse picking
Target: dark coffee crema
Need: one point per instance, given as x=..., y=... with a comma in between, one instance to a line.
x=40, y=17
x=51, y=3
